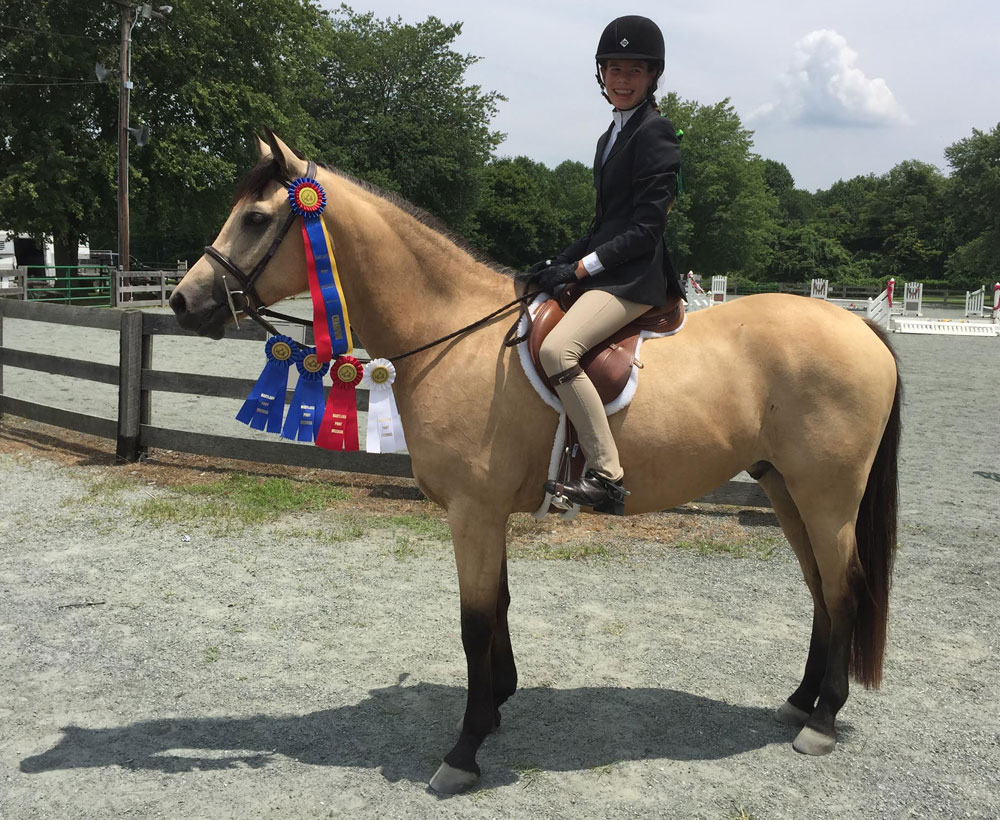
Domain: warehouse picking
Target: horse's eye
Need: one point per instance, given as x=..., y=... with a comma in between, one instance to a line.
x=255, y=218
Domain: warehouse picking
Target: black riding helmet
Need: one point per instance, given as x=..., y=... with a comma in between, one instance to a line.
x=631, y=38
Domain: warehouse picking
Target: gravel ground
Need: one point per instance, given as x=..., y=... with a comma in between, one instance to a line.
x=311, y=666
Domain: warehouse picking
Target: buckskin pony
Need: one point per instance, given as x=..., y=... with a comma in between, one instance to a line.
x=802, y=394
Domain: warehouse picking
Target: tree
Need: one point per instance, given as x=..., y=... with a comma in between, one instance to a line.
x=397, y=112
x=973, y=200
x=383, y=100
x=57, y=126
x=529, y=213
x=794, y=204
x=724, y=220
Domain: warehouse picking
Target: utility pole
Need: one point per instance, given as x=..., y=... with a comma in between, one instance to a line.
x=124, y=92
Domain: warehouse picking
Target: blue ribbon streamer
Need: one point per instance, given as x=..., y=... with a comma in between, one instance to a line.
x=265, y=405
x=335, y=319
x=306, y=409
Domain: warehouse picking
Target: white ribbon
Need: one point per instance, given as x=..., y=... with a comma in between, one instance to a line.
x=385, y=429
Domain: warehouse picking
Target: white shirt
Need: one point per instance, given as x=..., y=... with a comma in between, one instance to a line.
x=591, y=261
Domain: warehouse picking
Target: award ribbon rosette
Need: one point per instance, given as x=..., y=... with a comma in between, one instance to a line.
x=385, y=429
x=339, y=429
x=331, y=324
x=265, y=405
x=306, y=408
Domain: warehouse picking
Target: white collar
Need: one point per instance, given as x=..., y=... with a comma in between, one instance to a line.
x=622, y=117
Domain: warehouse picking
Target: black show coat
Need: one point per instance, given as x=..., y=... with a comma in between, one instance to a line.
x=635, y=188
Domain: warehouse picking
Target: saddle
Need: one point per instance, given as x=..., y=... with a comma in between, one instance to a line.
x=609, y=364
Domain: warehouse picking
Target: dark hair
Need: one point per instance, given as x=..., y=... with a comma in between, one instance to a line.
x=651, y=65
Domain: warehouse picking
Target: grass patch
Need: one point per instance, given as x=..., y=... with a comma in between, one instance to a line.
x=338, y=529
x=593, y=550
x=755, y=546
x=424, y=525
x=236, y=500
x=404, y=548
x=212, y=654
x=101, y=489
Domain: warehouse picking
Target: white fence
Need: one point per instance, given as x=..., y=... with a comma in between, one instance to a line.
x=977, y=307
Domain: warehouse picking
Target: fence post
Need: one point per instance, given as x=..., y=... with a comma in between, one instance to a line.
x=129, y=386
x=1, y=360
x=23, y=273
x=145, y=403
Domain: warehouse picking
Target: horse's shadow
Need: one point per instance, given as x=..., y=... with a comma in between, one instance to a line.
x=404, y=730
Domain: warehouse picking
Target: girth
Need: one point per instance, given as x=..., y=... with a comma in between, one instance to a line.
x=608, y=365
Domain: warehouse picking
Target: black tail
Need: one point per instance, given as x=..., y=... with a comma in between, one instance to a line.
x=876, y=537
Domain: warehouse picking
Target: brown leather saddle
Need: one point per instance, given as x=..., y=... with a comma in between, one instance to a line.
x=609, y=364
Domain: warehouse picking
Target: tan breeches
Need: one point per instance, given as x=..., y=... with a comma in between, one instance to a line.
x=594, y=317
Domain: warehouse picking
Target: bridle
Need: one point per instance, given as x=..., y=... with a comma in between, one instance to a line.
x=250, y=302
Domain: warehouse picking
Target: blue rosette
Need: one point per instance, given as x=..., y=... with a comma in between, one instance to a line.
x=265, y=405
x=308, y=400
x=307, y=197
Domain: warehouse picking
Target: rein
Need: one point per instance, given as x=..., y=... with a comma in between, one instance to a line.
x=248, y=293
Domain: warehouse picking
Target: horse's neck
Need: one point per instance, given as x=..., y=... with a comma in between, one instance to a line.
x=405, y=283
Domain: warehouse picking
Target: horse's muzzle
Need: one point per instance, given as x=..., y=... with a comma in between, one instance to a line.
x=206, y=318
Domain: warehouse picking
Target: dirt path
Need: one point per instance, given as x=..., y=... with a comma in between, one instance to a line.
x=165, y=664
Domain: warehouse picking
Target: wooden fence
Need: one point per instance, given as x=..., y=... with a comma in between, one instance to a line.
x=137, y=380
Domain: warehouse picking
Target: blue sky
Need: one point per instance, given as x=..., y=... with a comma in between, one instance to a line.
x=832, y=90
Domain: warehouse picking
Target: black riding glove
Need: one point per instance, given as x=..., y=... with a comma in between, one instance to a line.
x=538, y=267
x=553, y=276
x=530, y=276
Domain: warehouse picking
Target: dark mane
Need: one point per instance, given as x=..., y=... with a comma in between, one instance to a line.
x=267, y=171
x=257, y=179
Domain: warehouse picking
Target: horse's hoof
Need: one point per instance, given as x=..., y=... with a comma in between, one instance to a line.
x=449, y=780
x=791, y=715
x=810, y=742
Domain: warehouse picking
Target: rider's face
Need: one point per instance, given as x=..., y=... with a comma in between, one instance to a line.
x=627, y=82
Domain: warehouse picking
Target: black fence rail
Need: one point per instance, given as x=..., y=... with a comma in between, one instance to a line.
x=137, y=380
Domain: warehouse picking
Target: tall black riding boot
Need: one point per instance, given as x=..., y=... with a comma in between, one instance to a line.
x=592, y=490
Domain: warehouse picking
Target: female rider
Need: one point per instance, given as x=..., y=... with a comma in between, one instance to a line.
x=621, y=264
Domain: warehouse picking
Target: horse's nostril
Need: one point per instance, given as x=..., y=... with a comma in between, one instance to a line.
x=177, y=303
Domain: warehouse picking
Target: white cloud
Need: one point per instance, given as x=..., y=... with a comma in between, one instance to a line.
x=825, y=87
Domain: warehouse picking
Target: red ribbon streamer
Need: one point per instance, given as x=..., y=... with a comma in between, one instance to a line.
x=320, y=333
x=339, y=429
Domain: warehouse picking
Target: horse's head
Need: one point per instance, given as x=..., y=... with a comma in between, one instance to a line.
x=250, y=264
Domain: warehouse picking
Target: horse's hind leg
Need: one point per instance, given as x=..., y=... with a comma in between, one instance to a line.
x=478, y=535
x=799, y=706
x=829, y=515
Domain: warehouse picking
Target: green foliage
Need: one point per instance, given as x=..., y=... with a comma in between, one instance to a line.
x=396, y=111
x=383, y=100
x=529, y=212
x=973, y=202
x=57, y=141
x=725, y=219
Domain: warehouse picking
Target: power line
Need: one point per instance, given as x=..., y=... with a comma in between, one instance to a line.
x=55, y=33
x=27, y=74
x=48, y=85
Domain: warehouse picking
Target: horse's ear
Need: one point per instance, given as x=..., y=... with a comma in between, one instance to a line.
x=263, y=147
x=290, y=164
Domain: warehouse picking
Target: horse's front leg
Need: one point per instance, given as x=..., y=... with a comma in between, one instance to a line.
x=478, y=534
